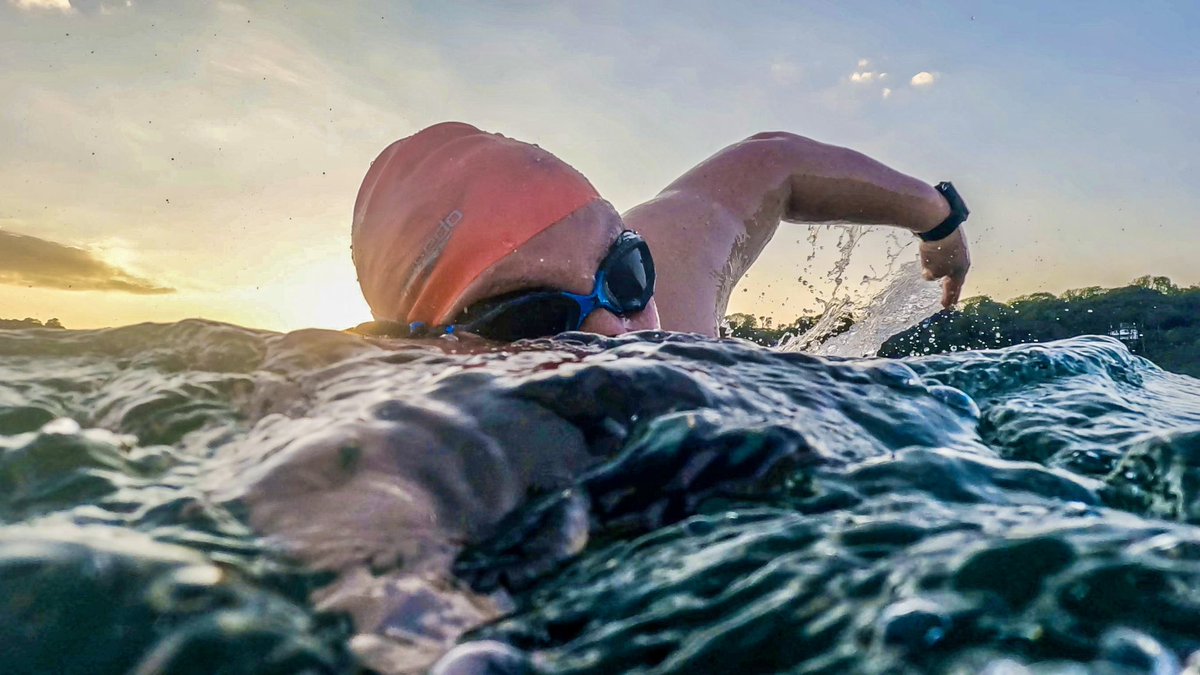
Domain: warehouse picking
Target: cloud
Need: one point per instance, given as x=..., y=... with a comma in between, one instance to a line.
x=60, y=5
x=69, y=6
x=863, y=76
x=31, y=261
x=923, y=79
x=99, y=6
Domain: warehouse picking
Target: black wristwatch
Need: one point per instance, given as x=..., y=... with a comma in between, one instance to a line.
x=958, y=214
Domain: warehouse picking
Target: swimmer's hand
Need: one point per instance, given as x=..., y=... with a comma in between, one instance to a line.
x=947, y=259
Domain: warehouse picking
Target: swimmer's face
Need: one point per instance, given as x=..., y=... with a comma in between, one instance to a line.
x=564, y=257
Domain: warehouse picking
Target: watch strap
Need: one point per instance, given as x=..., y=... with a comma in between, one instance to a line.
x=958, y=213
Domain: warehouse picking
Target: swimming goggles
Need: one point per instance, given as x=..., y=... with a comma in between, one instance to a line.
x=624, y=285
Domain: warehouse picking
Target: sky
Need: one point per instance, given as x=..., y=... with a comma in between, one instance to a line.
x=166, y=159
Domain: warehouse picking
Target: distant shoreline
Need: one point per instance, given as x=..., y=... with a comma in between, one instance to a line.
x=30, y=323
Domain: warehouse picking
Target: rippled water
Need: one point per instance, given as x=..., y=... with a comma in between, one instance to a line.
x=196, y=496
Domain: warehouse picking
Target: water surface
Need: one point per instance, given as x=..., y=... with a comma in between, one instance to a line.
x=202, y=493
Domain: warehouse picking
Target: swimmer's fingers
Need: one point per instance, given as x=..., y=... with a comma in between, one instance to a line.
x=952, y=289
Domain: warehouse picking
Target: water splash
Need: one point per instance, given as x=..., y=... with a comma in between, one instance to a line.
x=908, y=299
x=884, y=303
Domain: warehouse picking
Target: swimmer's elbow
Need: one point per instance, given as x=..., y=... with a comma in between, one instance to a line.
x=790, y=145
x=777, y=135
x=746, y=178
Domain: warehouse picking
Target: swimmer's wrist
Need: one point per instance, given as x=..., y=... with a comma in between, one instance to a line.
x=926, y=211
x=953, y=212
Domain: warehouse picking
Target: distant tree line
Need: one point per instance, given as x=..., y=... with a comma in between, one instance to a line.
x=1153, y=316
x=29, y=323
x=764, y=331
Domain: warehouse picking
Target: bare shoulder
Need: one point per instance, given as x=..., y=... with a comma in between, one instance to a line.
x=692, y=239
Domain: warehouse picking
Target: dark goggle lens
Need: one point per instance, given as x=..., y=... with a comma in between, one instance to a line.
x=629, y=278
x=536, y=316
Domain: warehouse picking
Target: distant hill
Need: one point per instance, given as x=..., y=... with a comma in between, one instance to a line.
x=29, y=323
x=1153, y=316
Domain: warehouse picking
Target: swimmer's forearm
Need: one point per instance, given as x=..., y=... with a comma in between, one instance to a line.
x=777, y=176
x=833, y=184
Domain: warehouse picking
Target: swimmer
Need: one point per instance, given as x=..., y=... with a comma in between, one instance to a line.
x=460, y=230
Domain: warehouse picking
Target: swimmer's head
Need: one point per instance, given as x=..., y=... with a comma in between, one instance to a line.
x=453, y=215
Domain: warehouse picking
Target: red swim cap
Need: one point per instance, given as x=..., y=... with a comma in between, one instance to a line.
x=440, y=207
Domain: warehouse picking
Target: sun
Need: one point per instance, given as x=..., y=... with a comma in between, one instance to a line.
x=320, y=293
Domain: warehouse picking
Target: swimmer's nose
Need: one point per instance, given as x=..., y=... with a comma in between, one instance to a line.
x=604, y=322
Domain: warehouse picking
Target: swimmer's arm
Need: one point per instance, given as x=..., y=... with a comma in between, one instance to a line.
x=776, y=176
